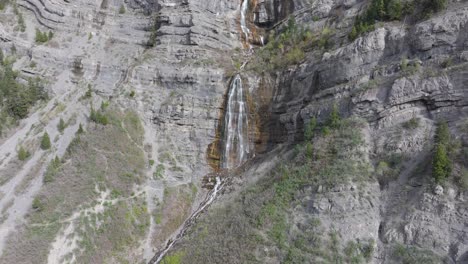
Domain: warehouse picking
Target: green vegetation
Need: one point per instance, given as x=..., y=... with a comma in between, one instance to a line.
x=387, y=10
x=153, y=29
x=3, y=4
x=89, y=93
x=23, y=154
x=446, y=63
x=412, y=255
x=16, y=98
x=412, y=124
x=388, y=168
x=288, y=47
x=104, y=159
x=61, y=125
x=98, y=116
x=52, y=170
x=19, y=15
x=159, y=172
x=37, y=204
x=43, y=37
x=80, y=129
x=173, y=258
x=310, y=128
x=122, y=9
x=441, y=163
x=175, y=208
x=409, y=68
x=256, y=226
x=45, y=141
x=462, y=179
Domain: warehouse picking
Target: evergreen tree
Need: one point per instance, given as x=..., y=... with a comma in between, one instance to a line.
x=334, y=119
x=440, y=164
x=394, y=10
x=80, y=129
x=309, y=129
x=380, y=9
x=353, y=34
x=45, y=142
x=442, y=134
x=23, y=154
x=61, y=125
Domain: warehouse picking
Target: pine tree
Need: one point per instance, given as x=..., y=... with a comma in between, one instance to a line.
x=45, y=142
x=309, y=129
x=334, y=119
x=353, y=34
x=23, y=154
x=61, y=125
x=442, y=134
x=380, y=9
x=80, y=129
x=440, y=164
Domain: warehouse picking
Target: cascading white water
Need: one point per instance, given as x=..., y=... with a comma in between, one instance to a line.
x=236, y=136
x=243, y=19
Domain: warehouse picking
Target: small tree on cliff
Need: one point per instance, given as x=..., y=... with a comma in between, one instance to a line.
x=441, y=164
x=45, y=141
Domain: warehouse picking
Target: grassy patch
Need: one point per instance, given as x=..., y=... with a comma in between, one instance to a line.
x=175, y=208
x=257, y=225
x=103, y=158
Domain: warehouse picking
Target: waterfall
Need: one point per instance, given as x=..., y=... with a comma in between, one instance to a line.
x=243, y=20
x=236, y=139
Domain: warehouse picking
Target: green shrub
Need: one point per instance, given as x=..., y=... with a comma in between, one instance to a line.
x=430, y=7
x=410, y=255
x=41, y=37
x=309, y=150
x=441, y=163
x=153, y=32
x=334, y=118
x=37, y=204
x=61, y=125
x=309, y=129
x=45, y=141
x=409, y=68
x=447, y=63
x=21, y=24
x=80, y=129
x=442, y=133
x=3, y=4
x=122, y=9
x=23, y=154
x=52, y=170
x=98, y=117
x=89, y=92
x=412, y=124
x=174, y=258
x=462, y=179
x=15, y=97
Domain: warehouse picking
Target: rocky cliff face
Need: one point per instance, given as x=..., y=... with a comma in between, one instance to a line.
x=169, y=63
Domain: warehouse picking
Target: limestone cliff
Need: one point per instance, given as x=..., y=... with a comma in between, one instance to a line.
x=341, y=129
